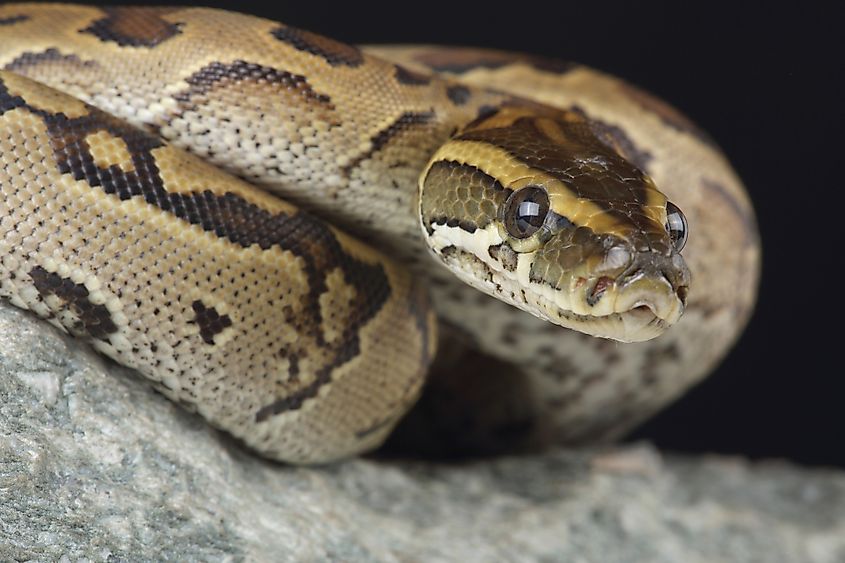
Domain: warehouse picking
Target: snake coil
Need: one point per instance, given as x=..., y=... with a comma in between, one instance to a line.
x=177, y=185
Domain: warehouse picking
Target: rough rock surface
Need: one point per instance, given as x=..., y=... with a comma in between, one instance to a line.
x=94, y=465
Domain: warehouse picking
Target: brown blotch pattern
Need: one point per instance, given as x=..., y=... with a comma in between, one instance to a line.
x=130, y=27
x=458, y=94
x=505, y=255
x=553, y=66
x=51, y=55
x=229, y=217
x=334, y=52
x=405, y=121
x=12, y=20
x=410, y=77
x=9, y=102
x=484, y=112
x=210, y=322
x=215, y=74
x=94, y=319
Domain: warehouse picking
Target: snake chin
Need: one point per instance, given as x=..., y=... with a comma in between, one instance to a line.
x=637, y=324
x=627, y=314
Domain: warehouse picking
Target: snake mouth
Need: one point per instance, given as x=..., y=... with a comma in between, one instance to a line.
x=632, y=308
x=636, y=319
x=630, y=300
x=637, y=305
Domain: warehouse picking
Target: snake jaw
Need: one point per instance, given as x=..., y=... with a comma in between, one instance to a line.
x=635, y=301
x=622, y=295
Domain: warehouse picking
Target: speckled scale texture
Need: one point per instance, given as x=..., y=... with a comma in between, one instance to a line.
x=165, y=254
x=286, y=333
x=575, y=388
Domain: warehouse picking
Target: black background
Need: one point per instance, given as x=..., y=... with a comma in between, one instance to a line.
x=764, y=81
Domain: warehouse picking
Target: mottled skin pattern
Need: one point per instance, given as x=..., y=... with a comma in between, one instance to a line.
x=266, y=321
x=172, y=267
x=576, y=388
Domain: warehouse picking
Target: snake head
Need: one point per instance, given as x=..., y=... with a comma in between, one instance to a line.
x=530, y=206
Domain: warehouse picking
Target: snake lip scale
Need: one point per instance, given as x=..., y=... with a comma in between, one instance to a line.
x=295, y=237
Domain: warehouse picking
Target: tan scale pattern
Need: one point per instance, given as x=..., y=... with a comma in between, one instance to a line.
x=148, y=269
x=342, y=144
x=586, y=389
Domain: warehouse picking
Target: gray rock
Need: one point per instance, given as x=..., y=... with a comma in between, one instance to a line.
x=95, y=466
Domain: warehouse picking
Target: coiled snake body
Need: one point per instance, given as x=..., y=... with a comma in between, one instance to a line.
x=134, y=222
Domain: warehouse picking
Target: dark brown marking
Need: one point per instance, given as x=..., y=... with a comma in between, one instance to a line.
x=553, y=66
x=505, y=255
x=210, y=322
x=8, y=102
x=52, y=55
x=410, y=77
x=208, y=77
x=379, y=140
x=464, y=224
x=12, y=20
x=406, y=120
x=134, y=27
x=616, y=138
x=94, y=320
x=484, y=112
x=229, y=217
x=334, y=52
x=458, y=93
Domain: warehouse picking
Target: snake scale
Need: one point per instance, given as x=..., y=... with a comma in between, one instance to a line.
x=178, y=185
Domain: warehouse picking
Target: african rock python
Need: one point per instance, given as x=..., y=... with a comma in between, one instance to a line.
x=298, y=339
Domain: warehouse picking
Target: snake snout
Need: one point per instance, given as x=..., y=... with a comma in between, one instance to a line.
x=670, y=269
x=657, y=282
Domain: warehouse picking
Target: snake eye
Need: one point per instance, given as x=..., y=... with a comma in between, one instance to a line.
x=525, y=211
x=676, y=224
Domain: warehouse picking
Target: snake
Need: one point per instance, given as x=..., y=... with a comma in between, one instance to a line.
x=298, y=239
